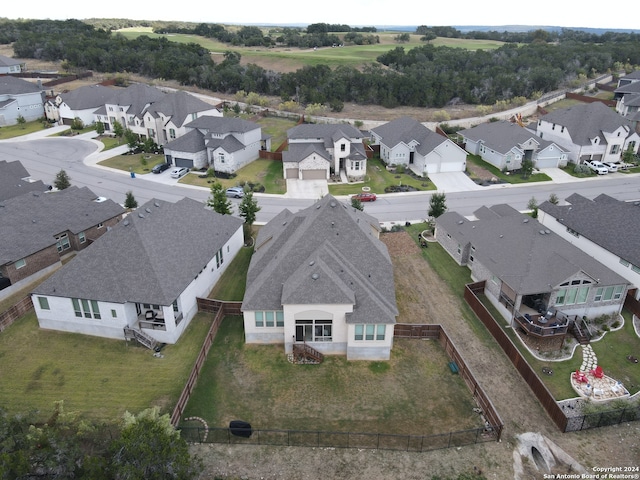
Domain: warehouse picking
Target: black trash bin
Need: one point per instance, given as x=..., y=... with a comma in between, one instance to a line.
x=240, y=428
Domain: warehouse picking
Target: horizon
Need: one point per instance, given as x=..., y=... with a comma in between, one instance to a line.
x=357, y=13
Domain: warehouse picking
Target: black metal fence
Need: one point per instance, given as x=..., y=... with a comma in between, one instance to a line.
x=603, y=419
x=318, y=439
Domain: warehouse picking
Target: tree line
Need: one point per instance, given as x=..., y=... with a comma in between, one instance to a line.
x=424, y=76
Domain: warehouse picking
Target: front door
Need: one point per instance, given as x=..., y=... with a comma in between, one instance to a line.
x=304, y=330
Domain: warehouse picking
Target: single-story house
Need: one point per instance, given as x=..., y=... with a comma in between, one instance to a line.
x=20, y=98
x=10, y=65
x=316, y=152
x=525, y=264
x=605, y=228
x=15, y=180
x=39, y=229
x=505, y=145
x=322, y=277
x=223, y=143
x=405, y=141
x=589, y=131
x=144, y=275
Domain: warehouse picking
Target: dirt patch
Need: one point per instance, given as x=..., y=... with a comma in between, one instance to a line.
x=423, y=298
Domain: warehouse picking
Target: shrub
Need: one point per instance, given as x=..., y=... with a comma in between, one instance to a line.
x=441, y=116
x=581, y=169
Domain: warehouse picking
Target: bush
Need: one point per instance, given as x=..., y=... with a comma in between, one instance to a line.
x=581, y=169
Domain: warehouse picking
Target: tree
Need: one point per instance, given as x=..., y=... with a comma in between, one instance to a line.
x=118, y=129
x=130, y=201
x=526, y=169
x=218, y=200
x=131, y=138
x=533, y=206
x=357, y=203
x=437, y=205
x=21, y=121
x=553, y=198
x=150, y=448
x=99, y=128
x=62, y=180
x=77, y=124
x=248, y=209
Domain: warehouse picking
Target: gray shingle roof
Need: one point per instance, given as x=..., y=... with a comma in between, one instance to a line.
x=406, y=130
x=222, y=125
x=610, y=223
x=327, y=133
x=9, y=62
x=324, y=254
x=296, y=152
x=30, y=221
x=14, y=180
x=178, y=106
x=91, y=96
x=587, y=120
x=502, y=136
x=16, y=86
x=513, y=248
x=191, y=142
x=146, y=260
x=137, y=96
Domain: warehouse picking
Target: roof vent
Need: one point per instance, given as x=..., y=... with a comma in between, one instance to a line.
x=126, y=223
x=333, y=204
x=526, y=220
x=148, y=210
x=33, y=220
x=312, y=262
x=501, y=236
x=460, y=222
x=547, y=232
x=315, y=276
x=36, y=194
x=541, y=232
x=156, y=204
x=140, y=215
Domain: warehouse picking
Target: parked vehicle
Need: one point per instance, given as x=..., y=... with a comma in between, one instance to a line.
x=161, y=167
x=179, y=172
x=611, y=167
x=236, y=192
x=597, y=167
x=365, y=197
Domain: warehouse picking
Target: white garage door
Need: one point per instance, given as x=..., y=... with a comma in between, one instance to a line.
x=314, y=174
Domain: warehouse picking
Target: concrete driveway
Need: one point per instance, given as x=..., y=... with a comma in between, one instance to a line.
x=314, y=189
x=453, y=182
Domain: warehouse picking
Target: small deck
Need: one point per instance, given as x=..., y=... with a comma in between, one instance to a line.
x=534, y=323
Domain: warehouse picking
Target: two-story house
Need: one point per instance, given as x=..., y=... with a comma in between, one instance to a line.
x=316, y=152
x=222, y=143
x=589, y=131
x=20, y=99
x=80, y=103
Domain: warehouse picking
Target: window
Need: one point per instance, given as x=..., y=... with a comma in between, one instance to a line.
x=86, y=308
x=598, y=296
x=371, y=332
x=44, y=303
x=343, y=147
x=151, y=132
x=219, y=258
x=280, y=318
x=322, y=330
x=572, y=296
x=617, y=292
x=624, y=262
x=269, y=318
x=194, y=116
x=615, y=149
x=635, y=268
x=259, y=317
x=114, y=313
x=221, y=157
x=608, y=293
x=20, y=263
x=172, y=133
x=356, y=165
x=583, y=292
x=471, y=259
x=63, y=243
x=573, y=232
x=319, y=330
x=81, y=237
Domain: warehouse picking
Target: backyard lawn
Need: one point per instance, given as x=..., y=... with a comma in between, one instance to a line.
x=265, y=172
x=99, y=378
x=413, y=393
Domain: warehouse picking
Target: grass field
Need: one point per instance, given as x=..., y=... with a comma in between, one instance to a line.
x=290, y=59
x=413, y=393
x=12, y=131
x=100, y=378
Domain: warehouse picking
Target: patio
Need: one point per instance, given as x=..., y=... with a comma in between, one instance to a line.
x=591, y=383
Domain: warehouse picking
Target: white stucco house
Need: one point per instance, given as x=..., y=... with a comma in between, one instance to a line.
x=605, y=228
x=589, y=131
x=316, y=152
x=505, y=145
x=167, y=118
x=79, y=103
x=405, y=141
x=143, y=275
x=224, y=143
x=19, y=98
x=321, y=277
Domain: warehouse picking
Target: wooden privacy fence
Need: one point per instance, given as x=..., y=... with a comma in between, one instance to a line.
x=631, y=304
x=436, y=332
x=539, y=389
x=220, y=309
x=15, y=312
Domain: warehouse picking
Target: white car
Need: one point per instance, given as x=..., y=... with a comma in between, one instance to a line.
x=612, y=167
x=179, y=172
x=597, y=167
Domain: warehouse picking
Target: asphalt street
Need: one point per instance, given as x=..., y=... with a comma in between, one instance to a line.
x=78, y=156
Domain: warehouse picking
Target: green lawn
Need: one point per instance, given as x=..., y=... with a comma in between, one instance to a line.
x=413, y=393
x=378, y=178
x=513, y=179
x=231, y=285
x=266, y=172
x=276, y=127
x=140, y=163
x=97, y=377
x=13, y=131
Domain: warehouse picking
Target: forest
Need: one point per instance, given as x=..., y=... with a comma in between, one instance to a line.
x=527, y=66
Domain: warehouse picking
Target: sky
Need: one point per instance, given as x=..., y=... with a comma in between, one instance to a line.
x=349, y=12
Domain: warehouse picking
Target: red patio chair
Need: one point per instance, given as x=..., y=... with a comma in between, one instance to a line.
x=580, y=377
x=597, y=372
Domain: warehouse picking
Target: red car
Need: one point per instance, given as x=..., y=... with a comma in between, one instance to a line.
x=365, y=197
